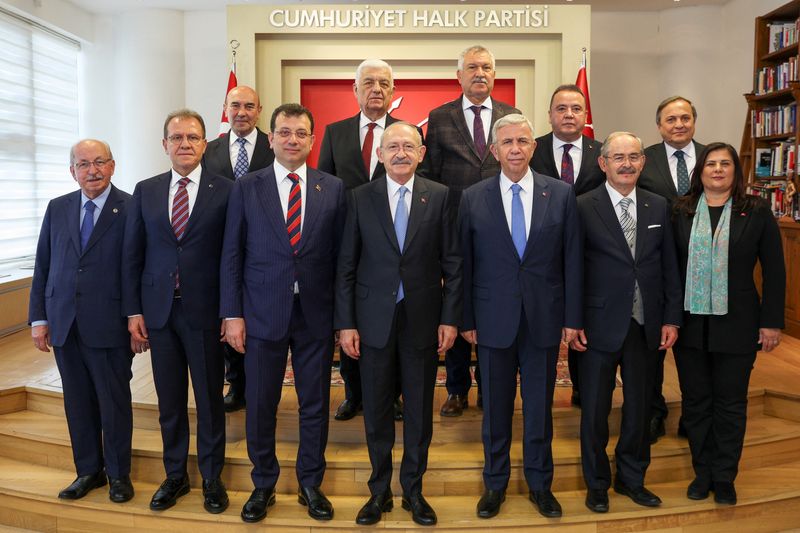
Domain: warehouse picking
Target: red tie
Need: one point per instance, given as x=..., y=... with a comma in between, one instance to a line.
x=294, y=211
x=366, y=149
x=180, y=215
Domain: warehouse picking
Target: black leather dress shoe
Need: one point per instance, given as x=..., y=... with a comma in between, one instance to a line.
x=656, y=429
x=575, y=399
x=168, y=493
x=82, y=485
x=374, y=508
x=319, y=507
x=698, y=489
x=597, y=500
x=215, y=497
x=454, y=405
x=421, y=512
x=639, y=495
x=120, y=490
x=489, y=504
x=724, y=493
x=255, y=508
x=347, y=410
x=546, y=503
x=398, y=410
x=233, y=401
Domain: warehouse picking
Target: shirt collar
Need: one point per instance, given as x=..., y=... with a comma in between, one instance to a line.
x=194, y=176
x=99, y=201
x=281, y=172
x=526, y=183
x=364, y=120
x=466, y=104
x=616, y=196
x=687, y=150
x=558, y=143
x=251, y=137
x=392, y=186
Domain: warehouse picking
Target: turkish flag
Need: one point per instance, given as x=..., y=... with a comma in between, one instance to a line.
x=583, y=83
x=224, y=126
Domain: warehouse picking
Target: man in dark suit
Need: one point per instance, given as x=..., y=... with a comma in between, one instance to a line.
x=666, y=172
x=75, y=307
x=558, y=154
x=522, y=296
x=632, y=309
x=245, y=148
x=279, y=261
x=170, y=280
x=398, y=289
x=348, y=152
x=457, y=141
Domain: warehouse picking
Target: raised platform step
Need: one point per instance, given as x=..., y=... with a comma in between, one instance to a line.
x=454, y=468
x=769, y=500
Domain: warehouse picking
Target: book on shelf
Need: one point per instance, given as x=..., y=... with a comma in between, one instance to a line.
x=763, y=162
x=782, y=34
x=774, y=120
x=775, y=78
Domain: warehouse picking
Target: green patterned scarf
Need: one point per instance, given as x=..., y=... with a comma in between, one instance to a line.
x=707, y=268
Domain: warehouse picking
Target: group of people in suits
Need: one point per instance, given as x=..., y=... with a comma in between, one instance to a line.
x=482, y=237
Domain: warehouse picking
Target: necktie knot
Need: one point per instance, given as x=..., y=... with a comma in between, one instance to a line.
x=515, y=188
x=477, y=110
x=402, y=191
x=567, y=148
x=242, y=141
x=625, y=203
x=294, y=178
x=371, y=125
x=679, y=154
x=90, y=207
x=183, y=182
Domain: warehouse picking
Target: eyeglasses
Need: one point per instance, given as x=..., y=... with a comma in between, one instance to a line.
x=619, y=159
x=177, y=140
x=392, y=148
x=301, y=135
x=99, y=164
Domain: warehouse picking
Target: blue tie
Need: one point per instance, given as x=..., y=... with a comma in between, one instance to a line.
x=518, y=221
x=241, y=159
x=88, y=223
x=400, y=226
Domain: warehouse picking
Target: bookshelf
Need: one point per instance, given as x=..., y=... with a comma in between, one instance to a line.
x=770, y=140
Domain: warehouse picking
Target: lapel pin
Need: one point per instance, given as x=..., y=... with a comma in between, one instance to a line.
x=210, y=185
x=423, y=200
x=647, y=205
x=743, y=214
x=115, y=210
x=544, y=194
x=318, y=188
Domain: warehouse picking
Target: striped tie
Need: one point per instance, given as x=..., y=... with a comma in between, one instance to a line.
x=180, y=209
x=294, y=211
x=628, y=223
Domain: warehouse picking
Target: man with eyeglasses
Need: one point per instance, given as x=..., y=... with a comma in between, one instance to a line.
x=245, y=148
x=458, y=156
x=75, y=308
x=567, y=154
x=348, y=151
x=173, y=243
x=666, y=172
x=282, y=236
x=398, y=298
x=632, y=309
x=522, y=297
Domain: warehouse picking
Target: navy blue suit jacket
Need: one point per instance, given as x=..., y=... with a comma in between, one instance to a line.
x=84, y=287
x=152, y=254
x=259, y=267
x=546, y=282
x=611, y=271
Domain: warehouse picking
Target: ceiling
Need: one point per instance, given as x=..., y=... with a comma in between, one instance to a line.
x=118, y=6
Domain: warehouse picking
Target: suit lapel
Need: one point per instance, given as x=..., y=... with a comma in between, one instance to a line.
x=419, y=204
x=494, y=202
x=162, y=199
x=108, y=216
x=739, y=221
x=643, y=212
x=224, y=154
x=315, y=196
x=267, y=193
x=460, y=124
x=663, y=168
x=260, y=152
x=205, y=191
x=546, y=146
x=380, y=202
x=541, y=201
x=589, y=155
x=73, y=219
x=605, y=210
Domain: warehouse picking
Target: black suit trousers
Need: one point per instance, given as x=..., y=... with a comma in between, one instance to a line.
x=632, y=454
x=177, y=349
x=457, y=361
x=234, y=370
x=97, y=402
x=418, y=378
x=714, y=392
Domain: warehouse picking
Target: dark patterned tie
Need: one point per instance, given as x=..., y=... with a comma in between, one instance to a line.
x=567, y=170
x=180, y=216
x=477, y=131
x=683, y=174
x=294, y=211
x=366, y=149
x=88, y=223
x=241, y=159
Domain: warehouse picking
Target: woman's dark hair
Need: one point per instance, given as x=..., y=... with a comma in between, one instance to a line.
x=741, y=200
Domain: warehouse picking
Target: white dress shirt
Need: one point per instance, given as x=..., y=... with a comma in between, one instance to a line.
x=688, y=155
x=191, y=188
x=377, y=134
x=576, y=153
x=99, y=202
x=393, y=189
x=249, y=146
x=525, y=195
x=486, y=116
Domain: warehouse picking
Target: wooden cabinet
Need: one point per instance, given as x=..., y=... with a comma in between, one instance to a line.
x=790, y=233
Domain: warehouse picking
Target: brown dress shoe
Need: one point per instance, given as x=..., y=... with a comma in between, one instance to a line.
x=454, y=405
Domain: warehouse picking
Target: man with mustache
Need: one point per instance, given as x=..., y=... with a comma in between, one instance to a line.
x=245, y=148
x=398, y=298
x=458, y=156
x=632, y=309
x=567, y=154
x=666, y=173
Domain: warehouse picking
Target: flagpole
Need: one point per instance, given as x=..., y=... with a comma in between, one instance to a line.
x=224, y=125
